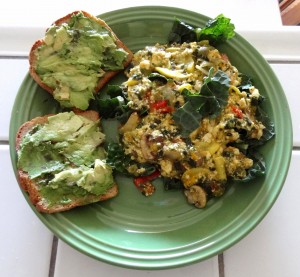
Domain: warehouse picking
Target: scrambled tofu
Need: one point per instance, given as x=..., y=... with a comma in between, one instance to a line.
x=207, y=158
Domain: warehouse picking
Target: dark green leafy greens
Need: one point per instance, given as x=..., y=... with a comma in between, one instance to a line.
x=187, y=118
x=115, y=106
x=209, y=102
x=213, y=94
x=216, y=30
x=268, y=132
x=119, y=161
x=156, y=77
x=246, y=84
x=258, y=168
x=172, y=184
x=116, y=157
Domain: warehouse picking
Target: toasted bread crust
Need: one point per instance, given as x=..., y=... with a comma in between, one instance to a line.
x=103, y=80
x=31, y=187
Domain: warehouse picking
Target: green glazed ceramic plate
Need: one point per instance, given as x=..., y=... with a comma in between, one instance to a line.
x=163, y=231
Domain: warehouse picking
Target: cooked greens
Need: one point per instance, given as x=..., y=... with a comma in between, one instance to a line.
x=216, y=30
x=210, y=101
x=189, y=116
x=115, y=105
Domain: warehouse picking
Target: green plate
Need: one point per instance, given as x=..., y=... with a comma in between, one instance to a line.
x=163, y=231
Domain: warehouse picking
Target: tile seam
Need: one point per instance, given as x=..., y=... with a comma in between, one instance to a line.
x=221, y=265
x=53, y=257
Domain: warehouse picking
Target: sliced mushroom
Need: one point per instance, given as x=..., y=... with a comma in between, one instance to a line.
x=173, y=154
x=131, y=123
x=196, y=196
x=146, y=151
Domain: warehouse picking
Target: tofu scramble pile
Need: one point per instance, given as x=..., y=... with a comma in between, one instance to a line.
x=160, y=84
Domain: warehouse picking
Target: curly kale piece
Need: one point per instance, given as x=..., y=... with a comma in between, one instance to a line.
x=216, y=30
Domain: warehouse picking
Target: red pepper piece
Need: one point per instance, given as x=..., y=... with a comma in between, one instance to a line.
x=144, y=185
x=237, y=112
x=144, y=179
x=161, y=106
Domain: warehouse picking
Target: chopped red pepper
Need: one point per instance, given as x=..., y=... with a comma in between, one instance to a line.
x=161, y=106
x=237, y=112
x=143, y=183
x=143, y=179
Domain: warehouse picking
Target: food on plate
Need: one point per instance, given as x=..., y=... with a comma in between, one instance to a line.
x=77, y=56
x=61, y=161
x=192, y=117
x=187, y=115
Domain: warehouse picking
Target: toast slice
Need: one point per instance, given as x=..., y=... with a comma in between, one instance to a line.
x=33, y=188
x=108, y=74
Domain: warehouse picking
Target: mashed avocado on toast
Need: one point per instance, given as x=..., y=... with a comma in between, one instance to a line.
x=65, y=160
x=74, y=55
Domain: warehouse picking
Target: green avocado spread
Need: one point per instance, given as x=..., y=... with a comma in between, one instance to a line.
x=75, y=55
x=65, y=158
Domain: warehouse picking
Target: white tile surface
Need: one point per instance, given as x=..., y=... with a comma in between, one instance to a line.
x=14, y=72
x=272, y=249
x=70, y=262
x=13, y=13
x=17, y=41
x=288, y=76
x=273, y=49
x=25, y=243
x=18, y=31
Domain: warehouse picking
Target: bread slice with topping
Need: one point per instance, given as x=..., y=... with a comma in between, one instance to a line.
x=53, y=182
x=77, y=56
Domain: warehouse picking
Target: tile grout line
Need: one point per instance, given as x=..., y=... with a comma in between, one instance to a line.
x=53, y=257
x=13, y=57
x=269, y=60
x=221, y=265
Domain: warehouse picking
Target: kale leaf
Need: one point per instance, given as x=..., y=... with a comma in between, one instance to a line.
x=187, y=118
x=182, y=32
x=213, y=95
x=116, y=157
x=172, y=183
x=216, y=30
x=115, y=106
x=268, y=131
x=210, y=101
x=119, y=161
x=246, y=82
x=258, y=168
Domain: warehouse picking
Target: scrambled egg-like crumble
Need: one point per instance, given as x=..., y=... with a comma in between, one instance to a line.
x=207, y=157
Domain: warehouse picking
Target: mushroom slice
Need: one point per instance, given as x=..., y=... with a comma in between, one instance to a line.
x=146, y=151
x=196, y=196
x=131, y=123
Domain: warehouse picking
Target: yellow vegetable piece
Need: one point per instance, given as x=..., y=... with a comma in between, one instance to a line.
x=172, y=49
x=234, y=89
x=174, y=74
x=191, y=176
x=132, y=82
x=190, y=67
x=211, y=147
x=220, y=167
x=183, y=86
